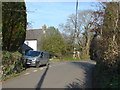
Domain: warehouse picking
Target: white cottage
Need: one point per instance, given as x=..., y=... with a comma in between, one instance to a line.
x=32, y=44
x=34, y=38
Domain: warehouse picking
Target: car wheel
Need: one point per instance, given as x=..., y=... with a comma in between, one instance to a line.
x=47, y=64
x=38, y=64
x=26, y=66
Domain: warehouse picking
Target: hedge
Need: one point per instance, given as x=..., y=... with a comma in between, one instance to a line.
x=12, y=63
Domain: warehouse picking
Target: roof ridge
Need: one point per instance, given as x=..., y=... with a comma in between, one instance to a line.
x=34, y=29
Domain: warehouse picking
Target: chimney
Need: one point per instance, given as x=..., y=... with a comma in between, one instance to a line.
x=44, y=27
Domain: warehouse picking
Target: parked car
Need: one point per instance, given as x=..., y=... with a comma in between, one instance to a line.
x=36, y=58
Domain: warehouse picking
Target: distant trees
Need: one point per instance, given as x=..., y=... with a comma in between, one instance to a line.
x=13, y=25
x=79, y=38
x=53, y=42
x=86, y=18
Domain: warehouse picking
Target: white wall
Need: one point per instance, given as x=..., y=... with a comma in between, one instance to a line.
x=32, y=44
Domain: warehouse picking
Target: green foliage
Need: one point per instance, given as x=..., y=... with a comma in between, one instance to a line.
x=0, y=26
x=12, y=63
x=68, y=48
x=105, y=79
x=53, y=42
x=0, y=36
x=106, y=48
x=13, y=25
x=109, y=44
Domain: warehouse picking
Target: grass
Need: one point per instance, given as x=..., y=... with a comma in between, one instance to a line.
x=70, y=58
x=85, y=58
x=56, y=60
x=82, y=58
x=11, y=76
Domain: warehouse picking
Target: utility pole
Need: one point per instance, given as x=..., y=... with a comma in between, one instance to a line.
x=74, y=38
x=76, y=20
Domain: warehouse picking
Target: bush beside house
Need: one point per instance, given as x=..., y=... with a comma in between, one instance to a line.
x=12, y=64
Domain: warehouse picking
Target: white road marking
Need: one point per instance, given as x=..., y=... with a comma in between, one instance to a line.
x=41, y=68
x=26, y=73
x=50, y=66
x=35, y=71
x=44, y=67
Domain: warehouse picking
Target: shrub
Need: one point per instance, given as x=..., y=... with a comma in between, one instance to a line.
x=12, y=63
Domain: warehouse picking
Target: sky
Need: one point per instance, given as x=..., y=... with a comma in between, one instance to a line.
x=52, y=13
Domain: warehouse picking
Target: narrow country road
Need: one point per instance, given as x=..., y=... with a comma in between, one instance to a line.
x=57, y=75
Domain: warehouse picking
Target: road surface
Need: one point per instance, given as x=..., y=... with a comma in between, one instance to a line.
x=57, y=75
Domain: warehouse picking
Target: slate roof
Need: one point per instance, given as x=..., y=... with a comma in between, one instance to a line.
x=26, y=47
x=34, y=34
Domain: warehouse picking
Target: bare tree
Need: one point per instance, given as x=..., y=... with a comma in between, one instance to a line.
x=82, y=33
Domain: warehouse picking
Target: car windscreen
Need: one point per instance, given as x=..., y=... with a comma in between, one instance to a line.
x=32, y=53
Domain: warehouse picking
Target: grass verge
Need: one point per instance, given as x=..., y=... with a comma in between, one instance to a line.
x=8, y=77
x=69, y=58
x=12, y=76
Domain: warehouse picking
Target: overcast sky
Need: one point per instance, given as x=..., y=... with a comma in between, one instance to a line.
x=52, y=13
